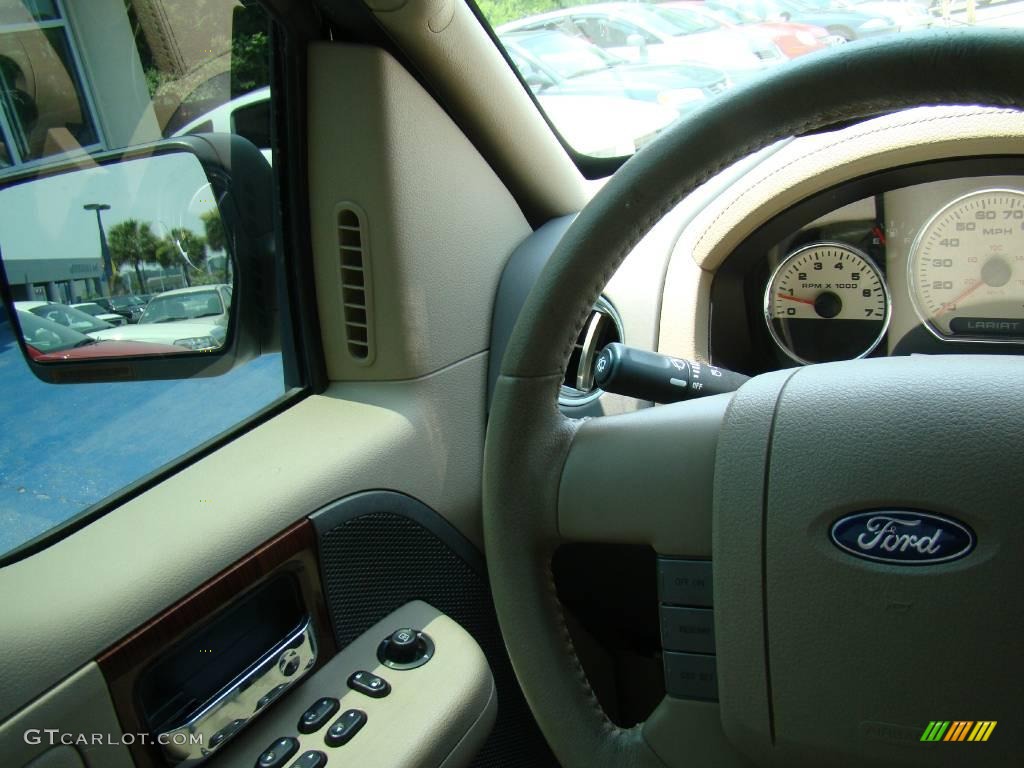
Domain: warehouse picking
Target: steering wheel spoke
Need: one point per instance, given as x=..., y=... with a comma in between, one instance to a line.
x=644, y=478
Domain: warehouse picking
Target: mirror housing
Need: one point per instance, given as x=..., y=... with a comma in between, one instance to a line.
x=242, y=184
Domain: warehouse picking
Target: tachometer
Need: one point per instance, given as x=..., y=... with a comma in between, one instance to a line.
x=826, y=302
x=967, y=268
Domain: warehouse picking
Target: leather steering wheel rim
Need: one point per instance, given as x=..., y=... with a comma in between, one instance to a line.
x=528, y=439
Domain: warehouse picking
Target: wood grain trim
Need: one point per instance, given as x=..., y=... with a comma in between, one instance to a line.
x=294, y=549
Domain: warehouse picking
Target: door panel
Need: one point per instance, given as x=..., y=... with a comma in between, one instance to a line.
x=70, y=602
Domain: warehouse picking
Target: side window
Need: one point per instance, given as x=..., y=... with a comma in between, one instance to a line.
x=84, y=77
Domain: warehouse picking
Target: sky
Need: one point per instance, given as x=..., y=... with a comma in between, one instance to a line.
x=44, y=218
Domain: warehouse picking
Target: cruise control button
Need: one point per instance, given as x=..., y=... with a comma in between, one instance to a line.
x=312, y=759
x=320, y=712
x=690, y=676
x=278, y=753
x=345, y=727
x=687, y=629
x=685, y=582
x=370, y=684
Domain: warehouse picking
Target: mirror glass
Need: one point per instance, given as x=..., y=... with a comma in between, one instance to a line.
x=117, y=260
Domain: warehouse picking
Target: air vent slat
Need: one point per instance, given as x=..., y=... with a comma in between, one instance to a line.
x=354, y=282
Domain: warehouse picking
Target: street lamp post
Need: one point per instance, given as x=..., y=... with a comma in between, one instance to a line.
x=108, y=267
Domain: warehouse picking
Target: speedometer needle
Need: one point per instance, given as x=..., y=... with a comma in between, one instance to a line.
x=950, y=304
x=789, y=297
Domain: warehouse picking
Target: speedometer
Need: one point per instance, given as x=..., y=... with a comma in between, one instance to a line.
x=825, y=302
x=967, y=268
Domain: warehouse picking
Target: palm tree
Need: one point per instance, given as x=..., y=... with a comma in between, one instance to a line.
x=214, y=230
x=132, y=243
x=184, y=248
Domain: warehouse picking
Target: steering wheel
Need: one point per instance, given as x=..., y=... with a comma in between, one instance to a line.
x=823, y=657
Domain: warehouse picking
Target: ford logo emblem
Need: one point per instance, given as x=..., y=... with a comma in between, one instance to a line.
x=902, y=538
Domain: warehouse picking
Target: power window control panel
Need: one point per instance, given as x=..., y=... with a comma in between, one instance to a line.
x=430, y=700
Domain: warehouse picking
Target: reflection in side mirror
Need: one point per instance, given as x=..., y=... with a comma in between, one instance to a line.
x=128, y=268
x=638, y=42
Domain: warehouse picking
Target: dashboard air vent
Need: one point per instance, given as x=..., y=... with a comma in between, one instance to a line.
x=602, y=327
x=354, y=282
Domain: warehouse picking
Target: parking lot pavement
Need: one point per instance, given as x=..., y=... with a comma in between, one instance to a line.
x=66, y=447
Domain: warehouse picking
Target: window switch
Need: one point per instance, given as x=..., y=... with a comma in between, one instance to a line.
x=277, y=754
x=312, y=759
x=345, y=727
x=320, y=712
x=370, y=684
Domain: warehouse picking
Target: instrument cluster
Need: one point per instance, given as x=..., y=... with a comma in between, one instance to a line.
x=932, y=267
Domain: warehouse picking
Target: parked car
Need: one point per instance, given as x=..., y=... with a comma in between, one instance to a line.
x=50, y=341
x=843, y=24
x=100, y=313
x=248, y=116
x=907, y=15
x=792, y=38
x=653, y=34
x=64, y=315
x=606, y=126
x=552, y=62
x=194, y=318
x=129, y=307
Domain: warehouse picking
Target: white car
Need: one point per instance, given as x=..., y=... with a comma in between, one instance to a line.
x=69, y=317
x=248, y=116
x=606, y=126
x=91, y=308
x=195, y=318
x=653, y=34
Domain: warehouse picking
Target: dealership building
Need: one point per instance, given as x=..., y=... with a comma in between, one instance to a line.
x=73, y=80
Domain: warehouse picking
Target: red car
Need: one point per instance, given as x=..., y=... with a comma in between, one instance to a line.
x=792, y=39
x=48, y=341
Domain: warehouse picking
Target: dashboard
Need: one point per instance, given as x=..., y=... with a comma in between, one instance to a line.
x=900, y=235
x=926, y=258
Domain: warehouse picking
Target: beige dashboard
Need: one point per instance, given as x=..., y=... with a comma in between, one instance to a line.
x=714, y=221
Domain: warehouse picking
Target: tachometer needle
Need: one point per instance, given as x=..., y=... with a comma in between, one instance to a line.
x=789, y=297
x=950, y=304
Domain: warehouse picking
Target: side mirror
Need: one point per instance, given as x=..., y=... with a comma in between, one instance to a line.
x=184, y=227
x=637, y=41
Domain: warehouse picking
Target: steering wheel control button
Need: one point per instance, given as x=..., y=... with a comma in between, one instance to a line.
x=345, y=727
x=691, y=676
x=685, y=582
x=687, y=629
x=277, y=754
x=312, y=759
x=369, y=684
x=314, y=718
x=405, y=649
